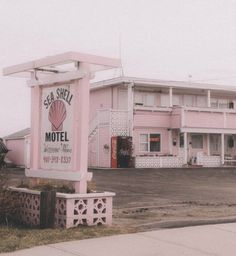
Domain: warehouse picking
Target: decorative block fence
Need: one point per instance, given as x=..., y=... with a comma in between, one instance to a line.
x=208, y=161
x=72, y=210
x=159, y=161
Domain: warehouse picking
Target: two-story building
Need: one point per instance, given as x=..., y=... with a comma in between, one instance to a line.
x=160, y=123
x=171, y=123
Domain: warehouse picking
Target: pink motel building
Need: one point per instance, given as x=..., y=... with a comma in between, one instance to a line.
x=158, y=124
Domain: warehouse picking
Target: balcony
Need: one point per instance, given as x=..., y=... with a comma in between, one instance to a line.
x=204, y=119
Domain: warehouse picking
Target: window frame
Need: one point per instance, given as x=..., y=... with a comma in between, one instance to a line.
x=148, y=142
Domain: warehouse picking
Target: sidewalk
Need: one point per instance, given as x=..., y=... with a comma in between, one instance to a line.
x=193, y=241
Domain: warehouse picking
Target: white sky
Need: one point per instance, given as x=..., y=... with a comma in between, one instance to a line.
x=163, y=39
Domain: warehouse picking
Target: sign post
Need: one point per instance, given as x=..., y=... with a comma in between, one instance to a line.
x=60, y=114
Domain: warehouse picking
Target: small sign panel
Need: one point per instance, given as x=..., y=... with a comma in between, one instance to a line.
x=56, y=128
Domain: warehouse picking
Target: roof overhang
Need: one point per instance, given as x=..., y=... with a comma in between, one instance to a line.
x=61, y=63
x=156, y=83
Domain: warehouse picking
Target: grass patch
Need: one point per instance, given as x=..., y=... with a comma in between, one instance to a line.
x=16, y=238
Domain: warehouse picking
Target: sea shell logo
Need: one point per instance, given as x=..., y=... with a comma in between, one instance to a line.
x=57, y=115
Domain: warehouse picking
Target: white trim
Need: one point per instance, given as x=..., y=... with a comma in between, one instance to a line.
x=208, y=130
x=211, y=110
x=60, y=175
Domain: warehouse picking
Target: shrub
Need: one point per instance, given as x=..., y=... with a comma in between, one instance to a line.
x=8, y=203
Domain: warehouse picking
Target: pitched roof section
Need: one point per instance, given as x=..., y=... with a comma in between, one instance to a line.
x=18, y=135
x=161, y=83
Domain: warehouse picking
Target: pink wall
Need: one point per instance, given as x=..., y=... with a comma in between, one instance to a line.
x=175, y=118
x=210, y=119
x=151, y=119
x=16, y=155
x=92, y=151
x=231, y=120
x=103, y=98
x=100, y=99
x=104, y=154
x=204, y=119
x=96, y=146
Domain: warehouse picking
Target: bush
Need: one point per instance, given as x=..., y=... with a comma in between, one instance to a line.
x=8, y=203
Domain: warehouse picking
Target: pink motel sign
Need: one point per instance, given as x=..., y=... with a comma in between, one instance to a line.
x=60, y=114
x=57, y=111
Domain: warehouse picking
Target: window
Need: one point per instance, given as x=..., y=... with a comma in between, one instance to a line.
x=201, y=101
x=197, y=141
x=150, y=142
x=176, y=100
x=215, y=142
x=143, y=142
x=188, y=100
x=144, y=99
x=230, y=142
x=214, y=103
x=149, y=99
x=138, y=98
x=223, y=103
x=123, y=99
x=165, y=100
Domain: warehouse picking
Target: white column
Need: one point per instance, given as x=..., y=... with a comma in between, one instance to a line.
x=208, y=98
x=208, y=144
x=222, y=148
x=185, y=148
x=170, y=97
x=130, y=107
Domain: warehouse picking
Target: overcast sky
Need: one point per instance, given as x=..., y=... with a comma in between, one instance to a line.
x=163, y=39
